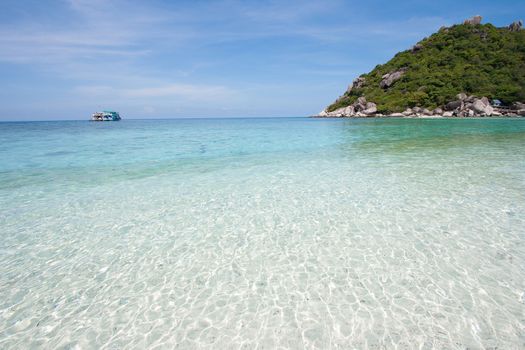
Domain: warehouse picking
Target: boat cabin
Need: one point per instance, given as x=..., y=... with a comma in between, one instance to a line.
x=105, y=116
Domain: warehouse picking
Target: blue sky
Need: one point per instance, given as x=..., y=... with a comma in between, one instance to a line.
x=160, y=59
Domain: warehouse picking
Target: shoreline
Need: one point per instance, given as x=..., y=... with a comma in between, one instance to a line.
x=463, y=106
x=417, y=117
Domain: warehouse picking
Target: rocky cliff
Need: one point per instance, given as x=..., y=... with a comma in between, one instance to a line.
x=470, y=69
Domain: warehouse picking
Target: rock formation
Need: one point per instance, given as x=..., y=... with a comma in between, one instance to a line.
x=390, y=78
x=360, y=108
x=474, y=20
x=416, y=48
x=356, y=84
x=462, y=106
x=518, y=106
x=515, y=26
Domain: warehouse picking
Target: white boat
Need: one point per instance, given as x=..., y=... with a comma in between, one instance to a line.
x=105, y=116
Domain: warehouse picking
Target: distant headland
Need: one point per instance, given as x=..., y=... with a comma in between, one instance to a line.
x=466, y=70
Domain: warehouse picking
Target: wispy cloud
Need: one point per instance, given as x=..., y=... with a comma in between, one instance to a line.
x=204, y=93
x=103, y=29
x=90, y=29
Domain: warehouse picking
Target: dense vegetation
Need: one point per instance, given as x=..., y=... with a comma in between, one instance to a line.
x=480, y=60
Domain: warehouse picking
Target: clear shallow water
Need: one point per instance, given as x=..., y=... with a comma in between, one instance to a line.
x=263, y=233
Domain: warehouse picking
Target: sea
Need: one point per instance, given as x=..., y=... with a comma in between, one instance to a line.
x=263, y=233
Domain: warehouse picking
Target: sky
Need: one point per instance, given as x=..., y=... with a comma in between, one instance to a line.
x=65, y=59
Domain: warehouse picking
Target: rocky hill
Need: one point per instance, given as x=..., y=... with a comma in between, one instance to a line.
x=458, y=71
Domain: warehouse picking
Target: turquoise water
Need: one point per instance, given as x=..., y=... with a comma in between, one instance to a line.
x=262, y=234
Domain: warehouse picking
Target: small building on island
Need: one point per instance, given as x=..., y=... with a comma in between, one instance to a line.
x=496, y=103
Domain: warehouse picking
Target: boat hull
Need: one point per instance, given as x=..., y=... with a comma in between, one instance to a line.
x=106, y=116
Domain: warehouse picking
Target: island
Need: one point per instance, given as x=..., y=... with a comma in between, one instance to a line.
x=466, y=70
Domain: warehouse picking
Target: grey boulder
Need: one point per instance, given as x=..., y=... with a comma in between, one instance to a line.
x=371, y=108
x=453, y=105
x=474, y=20
x=515, y=26
x=356, y=84
x=390, y=78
